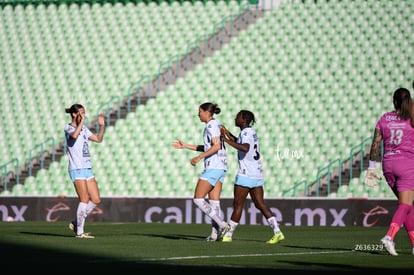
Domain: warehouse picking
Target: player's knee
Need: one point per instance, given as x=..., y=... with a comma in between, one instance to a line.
x=96, y=201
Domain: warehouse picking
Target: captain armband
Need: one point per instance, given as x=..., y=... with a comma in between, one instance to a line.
x=200, y=148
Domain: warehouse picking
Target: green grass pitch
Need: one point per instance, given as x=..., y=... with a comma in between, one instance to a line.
x=49, y=247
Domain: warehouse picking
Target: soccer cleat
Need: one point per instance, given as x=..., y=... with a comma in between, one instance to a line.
x=389, y=245
x=211, y=238
x=73, y=227
x=85, y=236
x=276, y=238
x=223, y=230
x=226, y=239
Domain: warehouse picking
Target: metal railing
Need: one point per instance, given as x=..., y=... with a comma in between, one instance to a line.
x=195, y=53
x=40, y=153
x=6, y=173
x=327, y=172
x=335, y=167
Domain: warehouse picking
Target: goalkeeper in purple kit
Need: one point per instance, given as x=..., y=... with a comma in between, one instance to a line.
x=395, y=130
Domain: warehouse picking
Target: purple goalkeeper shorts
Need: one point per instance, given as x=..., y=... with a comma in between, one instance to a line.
x=399, y=174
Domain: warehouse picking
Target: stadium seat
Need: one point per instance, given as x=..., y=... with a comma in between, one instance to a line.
x=289, y=62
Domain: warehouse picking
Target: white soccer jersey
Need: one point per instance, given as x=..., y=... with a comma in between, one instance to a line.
x=250, y=164
x=217, y=160
x=78, y=149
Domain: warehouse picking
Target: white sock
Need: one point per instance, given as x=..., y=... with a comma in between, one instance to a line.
x=214, y=226
x=90, y=207
x=233, y=226
x=273, y=224
x=80, y=217
x=208, y=209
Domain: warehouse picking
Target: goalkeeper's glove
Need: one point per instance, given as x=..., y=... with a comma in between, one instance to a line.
x=372, y=177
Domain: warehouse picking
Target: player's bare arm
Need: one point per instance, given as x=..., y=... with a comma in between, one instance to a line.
x=179, y=144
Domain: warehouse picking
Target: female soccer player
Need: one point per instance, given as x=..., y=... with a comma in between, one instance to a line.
x=215, y=165
x=249, y=177
x=395, y=131
x=80, y=166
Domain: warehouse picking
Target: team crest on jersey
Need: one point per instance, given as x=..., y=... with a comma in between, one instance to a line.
x=85, y=150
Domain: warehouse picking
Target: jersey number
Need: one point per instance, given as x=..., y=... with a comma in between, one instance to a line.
x=257, y=155
x=396, y=136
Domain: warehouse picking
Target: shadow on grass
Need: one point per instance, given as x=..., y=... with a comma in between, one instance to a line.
x=28, y=258
x=16, y=258
x=336, y=267
x=175, y=236
x=191, y=237
x=46, y=234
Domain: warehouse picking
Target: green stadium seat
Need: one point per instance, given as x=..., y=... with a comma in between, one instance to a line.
x=18, y=190
x=303, y=56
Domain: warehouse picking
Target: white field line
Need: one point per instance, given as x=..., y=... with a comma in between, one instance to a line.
x=250, y=255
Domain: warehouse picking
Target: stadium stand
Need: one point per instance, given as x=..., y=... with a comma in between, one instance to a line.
x=316, y=73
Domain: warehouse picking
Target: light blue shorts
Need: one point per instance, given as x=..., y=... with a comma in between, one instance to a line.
x=81, y=174
x=248, y=182
x=213, y=176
